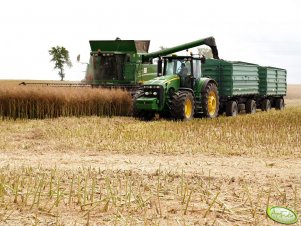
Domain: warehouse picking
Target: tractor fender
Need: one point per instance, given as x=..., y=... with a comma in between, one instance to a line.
x=187, y=89
x=206, y=82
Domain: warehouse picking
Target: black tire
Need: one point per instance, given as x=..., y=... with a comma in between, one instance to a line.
x=222, y=109
x=231, y=108
x=279, y=104
x=144, y=115
x=266, y=105
x=135, y=112
x=251, y=106
x=210, y=101
x=181, y=101
x=147, y=115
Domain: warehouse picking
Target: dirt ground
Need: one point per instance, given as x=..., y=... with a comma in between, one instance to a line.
x=229, y=173
x=251, y=168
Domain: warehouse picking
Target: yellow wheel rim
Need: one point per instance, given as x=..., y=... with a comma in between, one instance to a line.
x=212, y=103
x=188, y=108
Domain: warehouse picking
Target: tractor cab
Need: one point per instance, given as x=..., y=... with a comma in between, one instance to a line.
x=187, y=68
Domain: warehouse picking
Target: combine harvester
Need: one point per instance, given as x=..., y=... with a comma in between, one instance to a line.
x=194, y=86
x=119, y=64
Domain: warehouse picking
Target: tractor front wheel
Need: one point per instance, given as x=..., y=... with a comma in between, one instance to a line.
x=182, y=105
x=135, y=112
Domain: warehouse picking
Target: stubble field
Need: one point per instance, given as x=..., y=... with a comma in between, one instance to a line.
x=121, y=171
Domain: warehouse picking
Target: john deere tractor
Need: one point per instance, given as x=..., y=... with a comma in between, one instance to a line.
x=180, y=90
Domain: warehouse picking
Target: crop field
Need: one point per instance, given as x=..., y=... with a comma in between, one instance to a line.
x=116, y=170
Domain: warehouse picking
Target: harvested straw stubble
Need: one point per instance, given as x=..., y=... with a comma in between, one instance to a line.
x=51, y=102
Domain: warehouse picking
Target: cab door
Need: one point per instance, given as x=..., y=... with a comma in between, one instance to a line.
x=196, y=69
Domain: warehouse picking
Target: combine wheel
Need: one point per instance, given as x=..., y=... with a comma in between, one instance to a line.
x=266, y=105
x=210, y=101
x=251, y=106
x=182, y=105
x=279, y=104
x=231, y=108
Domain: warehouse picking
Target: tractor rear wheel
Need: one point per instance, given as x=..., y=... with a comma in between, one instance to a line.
x=266, y=105
x=231, y=108
x=279, y=104
x=182, y=105
x=251, y=106
x=210, y=101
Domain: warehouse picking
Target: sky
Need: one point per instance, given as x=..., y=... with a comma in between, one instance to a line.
x=256, y=31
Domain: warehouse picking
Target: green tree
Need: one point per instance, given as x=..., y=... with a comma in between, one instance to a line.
x=60, y=57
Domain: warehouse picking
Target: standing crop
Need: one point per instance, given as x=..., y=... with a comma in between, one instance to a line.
x=50, y=102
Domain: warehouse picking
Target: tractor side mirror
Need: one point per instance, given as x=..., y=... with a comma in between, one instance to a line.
x=159, y=67
x=203, y=59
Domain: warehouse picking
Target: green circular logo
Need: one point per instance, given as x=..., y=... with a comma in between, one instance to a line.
x=282, y=215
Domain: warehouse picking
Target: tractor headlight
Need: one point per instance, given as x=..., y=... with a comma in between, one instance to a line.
x=155, y=93
x=146, y=93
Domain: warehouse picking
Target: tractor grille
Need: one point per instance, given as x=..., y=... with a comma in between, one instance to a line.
x=154, y=91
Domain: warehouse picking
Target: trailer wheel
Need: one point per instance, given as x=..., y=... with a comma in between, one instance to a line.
x=210, y=101
x=231, y=108
x=266, y=105
x=251, y=106
x=182, y=105
x=279, y=104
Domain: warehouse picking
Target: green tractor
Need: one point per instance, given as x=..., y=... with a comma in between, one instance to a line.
x=181, y=92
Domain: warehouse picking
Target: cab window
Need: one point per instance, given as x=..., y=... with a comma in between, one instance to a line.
x=196, y=68
x=173, y=66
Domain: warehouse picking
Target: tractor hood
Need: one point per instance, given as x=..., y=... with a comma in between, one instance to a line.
x=163, y=80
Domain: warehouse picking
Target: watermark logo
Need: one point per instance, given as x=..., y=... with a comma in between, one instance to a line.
x=282, y=215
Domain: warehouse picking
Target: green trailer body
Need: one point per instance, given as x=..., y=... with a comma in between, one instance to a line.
x=272, y=81
x=234, y=78
x=246, y=87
